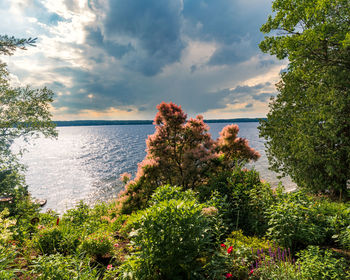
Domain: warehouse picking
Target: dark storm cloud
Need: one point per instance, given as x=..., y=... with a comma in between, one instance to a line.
x=138, y=53
x=95, y=38
x=153, y=27
x=234, y=25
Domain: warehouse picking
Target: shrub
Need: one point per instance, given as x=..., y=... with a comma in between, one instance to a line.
x=333, y=217
x=48, y=240
x=318, y=264
x=56, y=240
x=168, y=192
x=170, y=237
x=344, y=238
x=58, y=267
x=97, y=245
x=247, y=199
x=6, y=225
x=292, y=222
x=182, y=153
x=78, y=215
x=242, y=251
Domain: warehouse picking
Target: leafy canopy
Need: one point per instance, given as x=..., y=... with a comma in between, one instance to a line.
x=24, y=113
x=308, y=126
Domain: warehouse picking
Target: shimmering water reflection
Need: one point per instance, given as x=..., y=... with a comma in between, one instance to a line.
x=85, y=162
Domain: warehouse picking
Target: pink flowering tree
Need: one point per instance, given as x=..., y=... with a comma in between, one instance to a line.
x=236, y=150
x=182, y=153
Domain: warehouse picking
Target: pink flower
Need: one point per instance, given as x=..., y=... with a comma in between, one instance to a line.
x=228, y=275
x=229, y=250
x=109, y=266
x=251, y=272
x=223, y=245
x=116, y=245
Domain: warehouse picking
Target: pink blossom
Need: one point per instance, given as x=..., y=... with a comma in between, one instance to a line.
x=109, y=266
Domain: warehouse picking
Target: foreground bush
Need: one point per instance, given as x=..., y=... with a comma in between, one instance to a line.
x=59, y=267
x=245, y=199
x=293, y=222
x=172, y=240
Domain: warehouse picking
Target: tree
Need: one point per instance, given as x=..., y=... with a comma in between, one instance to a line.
x=182, y=153
x=308, y=126
x=24, y=113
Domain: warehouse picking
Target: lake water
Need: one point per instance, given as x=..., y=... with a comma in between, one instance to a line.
x=85, y=162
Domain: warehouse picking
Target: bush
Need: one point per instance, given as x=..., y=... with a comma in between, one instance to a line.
x=168, y=192
x=97, y=245
x=6, y=227
x=56, y=240
x=333, y=217
x=242, y=251
x=318, y=264
x=344, y=238
x=170, y=237
x=181, y=152
x=292, y=222
x=58, y=267
x=48, y=240
x=247, y=199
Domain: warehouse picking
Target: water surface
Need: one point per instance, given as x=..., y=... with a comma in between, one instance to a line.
x=85, y=161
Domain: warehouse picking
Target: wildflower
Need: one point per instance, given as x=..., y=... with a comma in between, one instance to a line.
x=228, y=275
x=223, y=245
x=109, y=266
x=229, y=250
x=251, y=272
x=58, y=221
x=116, y=245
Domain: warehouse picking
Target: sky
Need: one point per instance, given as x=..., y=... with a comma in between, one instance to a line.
x=118, y=59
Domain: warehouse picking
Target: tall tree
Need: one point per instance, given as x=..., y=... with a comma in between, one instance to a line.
x=24, y=113
x=308, y=126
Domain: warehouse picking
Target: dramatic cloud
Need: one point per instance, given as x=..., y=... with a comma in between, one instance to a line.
x=118, y=59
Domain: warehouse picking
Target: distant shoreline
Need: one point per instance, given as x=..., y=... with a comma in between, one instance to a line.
x=143, y=122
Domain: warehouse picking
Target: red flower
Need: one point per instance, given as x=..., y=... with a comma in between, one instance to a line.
x=228, y=275
x=109, y=266
x=251, y=272
x=116, y=245
x=223, y=245
x=58, y=221
x=229, y=250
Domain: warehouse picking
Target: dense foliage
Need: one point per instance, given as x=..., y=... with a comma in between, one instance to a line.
x=307, y=128
x=193, y=211
x=182, y=153
x=24, y=113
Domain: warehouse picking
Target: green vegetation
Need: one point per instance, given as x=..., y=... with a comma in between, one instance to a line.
x=307, y=128
x=24, y=113
x=193, y=211
x=226, y=224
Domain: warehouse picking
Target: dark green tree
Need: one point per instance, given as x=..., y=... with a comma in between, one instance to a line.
x=308, y=126
x=24, y=113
